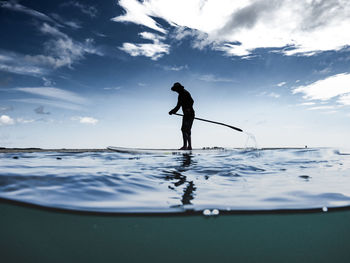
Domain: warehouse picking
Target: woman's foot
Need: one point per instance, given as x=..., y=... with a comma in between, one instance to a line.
x=183, y=148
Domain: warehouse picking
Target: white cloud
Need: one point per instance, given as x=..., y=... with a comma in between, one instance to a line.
x=112, y=88
x=24, y=121
x=85, y=120
x=53, y=97
x=213, y=78
x=249, y=57
x=330, y=112
x=307, y=104
x=345, y=99
x=303, y=27
x=23, y=70
x=151, y=36
x=60, y=51
x=322, y=108
x=274, y=95
x=281, y=84
x=6, y=120
x=153, y=50
x=14, y=6
x=16, y=63
x=174, y=68
x=52, y=103
x=64, y=21
x=63, y=50
x=138, y=13
x=48, y=82
x=232, y=49
x=327, y=88
x=99, y=34
x=54, y=93
x=85, y=9
x=324, y=71
x=270, y=94
x=73, y=24
x=51, y=30
x=88, y=120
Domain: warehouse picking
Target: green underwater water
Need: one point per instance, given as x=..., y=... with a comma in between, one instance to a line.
x=30, y=234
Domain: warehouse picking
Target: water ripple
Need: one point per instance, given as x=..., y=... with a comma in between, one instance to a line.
x=232, y=179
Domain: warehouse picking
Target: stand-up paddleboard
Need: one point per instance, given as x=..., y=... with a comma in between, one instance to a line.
x=164, y=151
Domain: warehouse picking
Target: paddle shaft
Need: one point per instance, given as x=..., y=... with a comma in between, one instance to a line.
x=215, y=122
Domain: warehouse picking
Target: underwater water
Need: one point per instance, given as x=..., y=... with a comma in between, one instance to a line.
x=223, y=180
x=41, y=235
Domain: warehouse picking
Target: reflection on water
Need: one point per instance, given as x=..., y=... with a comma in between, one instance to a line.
x=178, y=179
x=226, y=179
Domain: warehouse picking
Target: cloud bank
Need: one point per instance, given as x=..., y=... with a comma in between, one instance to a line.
x=238, y=28
x=59, y=50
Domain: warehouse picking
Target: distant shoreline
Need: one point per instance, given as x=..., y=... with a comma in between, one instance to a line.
x=63, y=150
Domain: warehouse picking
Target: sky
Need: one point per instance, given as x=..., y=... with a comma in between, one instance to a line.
x=92, y=74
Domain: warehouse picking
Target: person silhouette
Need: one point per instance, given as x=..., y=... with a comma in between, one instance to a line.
x=186, y=102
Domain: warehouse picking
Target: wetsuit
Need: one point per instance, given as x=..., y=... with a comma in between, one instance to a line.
x=186, y=102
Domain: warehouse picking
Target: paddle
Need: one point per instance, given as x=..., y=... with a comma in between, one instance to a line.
x=215, y=122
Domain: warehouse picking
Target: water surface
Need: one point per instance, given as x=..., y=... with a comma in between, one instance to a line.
x=227, y=180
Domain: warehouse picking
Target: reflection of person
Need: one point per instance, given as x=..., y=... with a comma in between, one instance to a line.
x=179, y=179
x=186, y=102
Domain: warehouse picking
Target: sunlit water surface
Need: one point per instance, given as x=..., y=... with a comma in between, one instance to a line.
x=224, y=180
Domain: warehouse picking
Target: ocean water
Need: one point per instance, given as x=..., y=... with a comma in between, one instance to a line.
x=271, y=205
x=209, y=182
x=34, y=235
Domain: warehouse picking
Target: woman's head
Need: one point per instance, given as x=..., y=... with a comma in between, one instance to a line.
x=177, y=87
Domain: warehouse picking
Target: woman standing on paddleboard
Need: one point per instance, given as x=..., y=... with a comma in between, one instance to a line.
x=186, y=102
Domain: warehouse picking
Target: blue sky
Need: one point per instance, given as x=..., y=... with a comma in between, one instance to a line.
x=98, y=73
